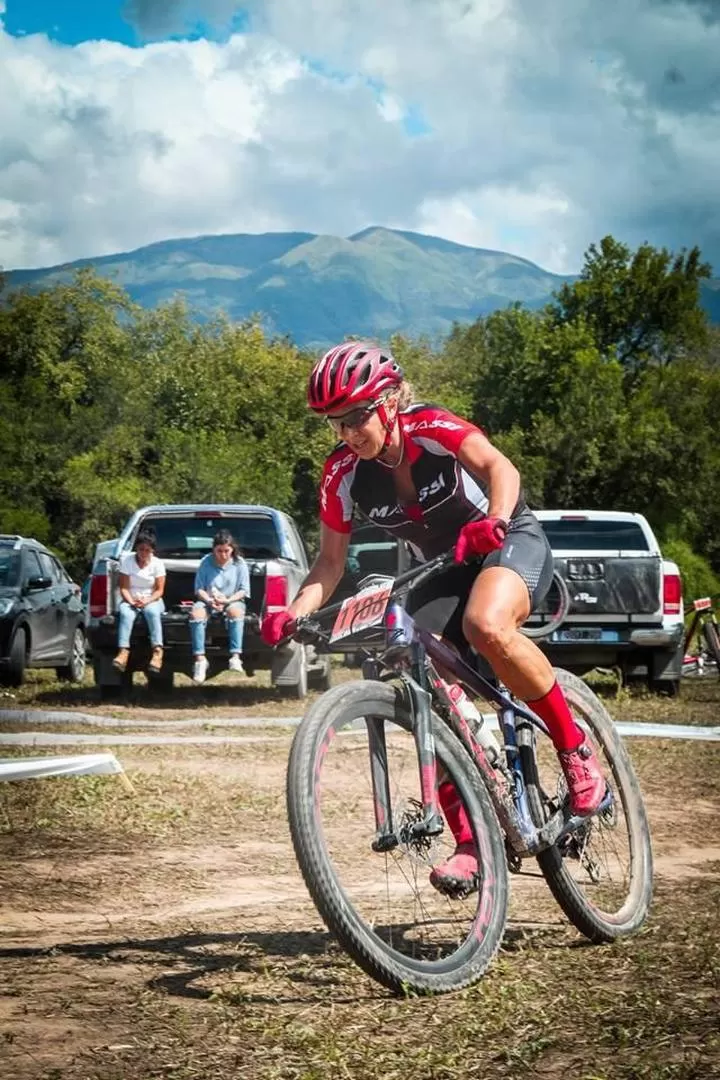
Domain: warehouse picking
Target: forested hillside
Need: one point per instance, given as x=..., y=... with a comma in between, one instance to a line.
x=310, y=288
x=606, y=397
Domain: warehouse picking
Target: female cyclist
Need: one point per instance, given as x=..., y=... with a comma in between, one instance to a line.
x=434, y=480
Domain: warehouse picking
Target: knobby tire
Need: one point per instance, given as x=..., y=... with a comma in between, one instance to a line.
x=391, y=967
x=590, y=918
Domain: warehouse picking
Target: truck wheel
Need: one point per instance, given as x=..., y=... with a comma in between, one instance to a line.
x=320, y=677
x=161, y=683
x=116, y=691
x=111, y=685
x=17, y=659
x=298, y=690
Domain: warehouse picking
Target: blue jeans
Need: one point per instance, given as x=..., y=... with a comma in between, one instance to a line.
x=126, y=620
x=235, y=622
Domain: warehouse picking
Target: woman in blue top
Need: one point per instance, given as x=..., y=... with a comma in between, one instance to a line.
x=222, y=582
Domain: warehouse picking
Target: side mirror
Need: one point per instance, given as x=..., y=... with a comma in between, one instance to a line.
x=34, y=584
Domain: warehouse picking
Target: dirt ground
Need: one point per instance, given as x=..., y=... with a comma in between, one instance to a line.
x=168, y=933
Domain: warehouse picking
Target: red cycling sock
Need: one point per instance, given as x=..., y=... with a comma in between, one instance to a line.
x=554, y=710
x=455, y=813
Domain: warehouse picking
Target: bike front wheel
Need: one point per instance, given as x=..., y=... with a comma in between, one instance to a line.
x=601, y=875
x=381, y=905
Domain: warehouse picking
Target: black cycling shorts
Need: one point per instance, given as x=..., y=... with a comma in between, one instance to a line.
x=438, y=605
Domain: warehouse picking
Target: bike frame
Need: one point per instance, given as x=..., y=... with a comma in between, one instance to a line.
x=405, y=659
x=510, y=801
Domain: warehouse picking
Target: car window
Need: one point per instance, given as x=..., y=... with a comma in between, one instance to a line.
x=192, y=537
x=49, y=566
x=293, y=538
x=372, y=551
x=61, y=573
x=32, y=565
x=587, y=535
x=9, y=567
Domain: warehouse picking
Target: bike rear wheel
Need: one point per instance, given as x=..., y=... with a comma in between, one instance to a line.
x=381, y=906
x=712, y=640
x=602, y=874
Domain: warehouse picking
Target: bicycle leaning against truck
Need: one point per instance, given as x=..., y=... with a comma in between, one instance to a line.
x=363, y=806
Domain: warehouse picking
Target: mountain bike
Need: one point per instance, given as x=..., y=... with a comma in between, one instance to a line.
x=703, y=632
x=366, y=825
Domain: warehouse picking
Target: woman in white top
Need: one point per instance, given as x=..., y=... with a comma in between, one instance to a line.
x=142, y=584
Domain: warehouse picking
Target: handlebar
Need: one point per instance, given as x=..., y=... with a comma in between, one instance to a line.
x=311, y=623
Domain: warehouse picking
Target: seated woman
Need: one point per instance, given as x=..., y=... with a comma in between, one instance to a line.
x=142, y=584
x=221, y=584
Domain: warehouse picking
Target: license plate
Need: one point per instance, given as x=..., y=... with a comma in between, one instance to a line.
x=594, y=633
x=363, y=610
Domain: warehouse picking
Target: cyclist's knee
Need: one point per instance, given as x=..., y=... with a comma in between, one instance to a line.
x=488, y=632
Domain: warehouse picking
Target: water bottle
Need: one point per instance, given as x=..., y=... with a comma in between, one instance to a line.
x=398, y=625
x=479, y=728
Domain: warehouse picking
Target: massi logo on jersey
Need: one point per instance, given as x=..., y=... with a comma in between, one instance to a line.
x=427, y=425
x=431, y=489
x=383, y=511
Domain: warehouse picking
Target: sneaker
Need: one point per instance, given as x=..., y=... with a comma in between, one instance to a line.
x=200, y=670
x=457, y=876
x=585, y=780
x=235, y=664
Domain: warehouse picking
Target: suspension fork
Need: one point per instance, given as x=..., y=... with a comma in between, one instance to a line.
x=418, y=700
x=385, y=836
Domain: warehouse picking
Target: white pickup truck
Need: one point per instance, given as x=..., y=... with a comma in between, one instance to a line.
x=277, y=561
x=626, y=606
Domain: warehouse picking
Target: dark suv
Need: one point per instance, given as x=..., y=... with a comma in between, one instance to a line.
x=42, y=619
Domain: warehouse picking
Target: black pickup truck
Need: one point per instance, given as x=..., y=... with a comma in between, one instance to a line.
x=277, y=561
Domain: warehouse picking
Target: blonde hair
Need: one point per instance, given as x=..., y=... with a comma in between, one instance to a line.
x=405, y=395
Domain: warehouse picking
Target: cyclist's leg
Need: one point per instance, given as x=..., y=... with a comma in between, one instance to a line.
x=438, y=606
x=501, y=599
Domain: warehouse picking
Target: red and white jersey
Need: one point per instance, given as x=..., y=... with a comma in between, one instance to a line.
x=448, y=495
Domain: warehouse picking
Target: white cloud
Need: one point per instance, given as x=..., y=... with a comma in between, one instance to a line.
x=544, y=127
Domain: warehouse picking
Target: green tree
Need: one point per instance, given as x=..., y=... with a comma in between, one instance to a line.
x=643, y=306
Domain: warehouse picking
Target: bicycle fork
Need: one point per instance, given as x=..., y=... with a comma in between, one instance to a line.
x=429, y=822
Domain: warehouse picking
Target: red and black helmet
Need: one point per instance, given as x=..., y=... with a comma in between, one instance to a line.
x=350, y=373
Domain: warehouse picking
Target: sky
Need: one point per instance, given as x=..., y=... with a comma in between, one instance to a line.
x=530, y=126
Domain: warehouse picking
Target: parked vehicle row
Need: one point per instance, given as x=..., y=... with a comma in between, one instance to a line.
x=626, y=599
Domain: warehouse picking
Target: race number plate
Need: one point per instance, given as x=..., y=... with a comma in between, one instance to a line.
x=703, y=604
x=363, y=610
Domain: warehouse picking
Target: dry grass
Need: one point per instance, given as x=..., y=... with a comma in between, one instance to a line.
x=169, y=936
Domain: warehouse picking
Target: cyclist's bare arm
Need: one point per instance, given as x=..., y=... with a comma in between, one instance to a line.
x=325, y=572
x=480, y=457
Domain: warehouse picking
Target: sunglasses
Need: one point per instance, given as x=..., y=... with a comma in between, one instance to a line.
x=356, y=418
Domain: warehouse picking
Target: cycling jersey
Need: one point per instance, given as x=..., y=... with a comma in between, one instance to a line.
x=448, y=494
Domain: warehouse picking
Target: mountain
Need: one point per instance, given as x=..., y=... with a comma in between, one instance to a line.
x=318, y=289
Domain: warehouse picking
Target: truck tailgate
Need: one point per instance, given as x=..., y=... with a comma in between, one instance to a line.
x=612, y=584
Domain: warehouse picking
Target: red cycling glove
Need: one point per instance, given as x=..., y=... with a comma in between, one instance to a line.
x=276, y=626
x=480, y=538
